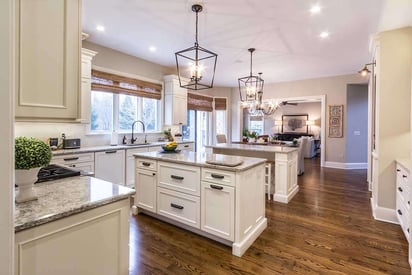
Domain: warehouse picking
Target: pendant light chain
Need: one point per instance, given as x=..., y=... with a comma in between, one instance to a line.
x=197, y=16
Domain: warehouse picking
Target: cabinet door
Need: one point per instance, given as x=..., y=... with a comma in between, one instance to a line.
x=110, y=166
x=130, y=165
x=179, y=115
x=145, y=185
x=48, y=59
x=218, y=210
x=186, y=146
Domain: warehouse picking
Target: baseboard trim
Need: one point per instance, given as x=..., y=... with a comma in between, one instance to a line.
x=346, y=166
x=383, y=214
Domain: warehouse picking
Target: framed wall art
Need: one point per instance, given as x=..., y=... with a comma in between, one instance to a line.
x=335, y=121
x=294, y=124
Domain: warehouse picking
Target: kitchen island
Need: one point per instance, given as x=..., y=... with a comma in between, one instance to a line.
x=285, y=163
x=217, y=196
x=78, y=225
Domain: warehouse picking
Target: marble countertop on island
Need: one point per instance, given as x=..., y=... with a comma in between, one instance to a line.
x=111, y=147
x=65, y=197
x=200, y=159
x=248, y=147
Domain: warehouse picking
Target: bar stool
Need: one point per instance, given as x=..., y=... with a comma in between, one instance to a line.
x=268, y=177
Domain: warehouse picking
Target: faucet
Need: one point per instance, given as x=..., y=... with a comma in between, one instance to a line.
x=144, y=131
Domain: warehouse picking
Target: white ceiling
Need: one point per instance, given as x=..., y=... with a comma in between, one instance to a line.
x=284, y=33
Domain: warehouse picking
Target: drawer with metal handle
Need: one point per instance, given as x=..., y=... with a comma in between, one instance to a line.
x=179, y=178
x=179, y=207
x=146, y=164
x=218, y=176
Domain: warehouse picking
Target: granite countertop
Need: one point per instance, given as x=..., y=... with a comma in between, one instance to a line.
x=111, y=147
x=405, y=162
x=200, y=159
x=65, y=197
x=249, y=147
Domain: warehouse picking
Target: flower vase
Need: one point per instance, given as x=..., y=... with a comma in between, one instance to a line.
x=252, y=140
x=24, y=179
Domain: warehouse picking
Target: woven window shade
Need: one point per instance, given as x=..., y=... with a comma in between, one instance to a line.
x=220, y=103
x=102, y=81
x=199, y=102
x=256, y=118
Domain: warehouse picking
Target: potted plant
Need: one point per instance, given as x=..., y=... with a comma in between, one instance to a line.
x=30, y=154
x=252, y=136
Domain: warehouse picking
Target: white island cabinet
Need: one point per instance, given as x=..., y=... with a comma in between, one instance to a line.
x=78, y=225
x=223, y=202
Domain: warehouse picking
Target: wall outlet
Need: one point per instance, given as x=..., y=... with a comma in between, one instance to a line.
x=356, y=133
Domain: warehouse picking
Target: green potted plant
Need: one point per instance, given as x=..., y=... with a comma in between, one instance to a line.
x=252, y=136
x=30, y=154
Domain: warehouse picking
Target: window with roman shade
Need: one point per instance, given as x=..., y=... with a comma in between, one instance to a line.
x=102, y=81
x=220, y=103
x=199, y=102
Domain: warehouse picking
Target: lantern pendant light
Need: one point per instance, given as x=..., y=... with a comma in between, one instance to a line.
x=196, y=66
x=250, y=85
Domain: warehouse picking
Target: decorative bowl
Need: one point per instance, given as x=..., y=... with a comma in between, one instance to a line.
x=169, y=148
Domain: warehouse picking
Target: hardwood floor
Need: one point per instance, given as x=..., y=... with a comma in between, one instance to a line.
x=327, y=228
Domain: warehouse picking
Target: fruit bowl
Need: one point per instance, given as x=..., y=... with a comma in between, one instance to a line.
x=169, y=148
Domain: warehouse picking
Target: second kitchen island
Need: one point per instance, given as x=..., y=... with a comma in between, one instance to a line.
x=217, y=196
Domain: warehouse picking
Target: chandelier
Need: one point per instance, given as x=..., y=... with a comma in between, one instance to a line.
x=195, y=65
x=250, y=85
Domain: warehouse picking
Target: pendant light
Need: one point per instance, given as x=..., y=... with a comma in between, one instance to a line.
x=260, y=107
x=195, y=65
x=250, y=85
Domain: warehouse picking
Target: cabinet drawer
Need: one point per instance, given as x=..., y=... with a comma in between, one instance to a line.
x=218, y=176
x=147, y=164
x=181, y=178
x=179, y=207
x=73, y=158
x=403, y=216
x=83, y=166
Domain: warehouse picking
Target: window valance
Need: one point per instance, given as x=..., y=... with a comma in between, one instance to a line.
x=199, y=102
x=102, y=81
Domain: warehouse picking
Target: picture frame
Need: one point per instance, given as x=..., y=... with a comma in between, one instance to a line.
x=294, y=124
x=335, y=121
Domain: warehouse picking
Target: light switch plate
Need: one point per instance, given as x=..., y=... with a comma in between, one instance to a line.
x=356, y=133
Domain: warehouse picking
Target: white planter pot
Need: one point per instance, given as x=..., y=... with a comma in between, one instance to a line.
x=252, y=140
x=25, y=178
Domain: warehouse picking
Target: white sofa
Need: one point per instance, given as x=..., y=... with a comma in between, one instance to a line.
x=309, y=148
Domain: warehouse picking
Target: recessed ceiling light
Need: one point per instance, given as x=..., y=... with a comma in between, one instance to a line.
x=315, y=9
x=324, y=34
x=100, y=28
x=152, y=49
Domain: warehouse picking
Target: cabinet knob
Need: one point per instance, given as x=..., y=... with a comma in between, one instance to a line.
x=400, y=189
x=404, y=176
x=154, y=174
x=145, y=163
x=399, y=212
x=398, y=170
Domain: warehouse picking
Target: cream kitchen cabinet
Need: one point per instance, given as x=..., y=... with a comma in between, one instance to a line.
x=81, y=161
x=186, y=146
x=110, y=166
x=175, y=101
x=84, y=99
x=146, y=181
x=403, y=196
x=130, y=165
x=218, y=204
x=48, y=59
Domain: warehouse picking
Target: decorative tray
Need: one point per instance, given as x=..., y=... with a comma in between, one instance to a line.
x=224, y=160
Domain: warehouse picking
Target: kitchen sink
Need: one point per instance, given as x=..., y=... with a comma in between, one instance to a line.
x=138, y=144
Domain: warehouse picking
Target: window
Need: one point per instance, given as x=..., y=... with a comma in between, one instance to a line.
x=198, y=128
x=117, y=101
x=221, y=121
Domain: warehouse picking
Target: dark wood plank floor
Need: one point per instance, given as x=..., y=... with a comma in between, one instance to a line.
x=327, y=228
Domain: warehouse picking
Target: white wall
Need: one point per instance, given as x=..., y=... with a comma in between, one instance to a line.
x=333, y=87
x=6, y=137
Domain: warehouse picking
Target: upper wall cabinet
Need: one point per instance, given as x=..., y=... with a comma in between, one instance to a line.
x=84, y=99
x=48, y=48
x=175, y=101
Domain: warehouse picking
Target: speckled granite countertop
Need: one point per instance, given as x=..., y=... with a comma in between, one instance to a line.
x=406, y=163
x=65, y=197
x=201, y=159
x=248, y=147
x=110, y=147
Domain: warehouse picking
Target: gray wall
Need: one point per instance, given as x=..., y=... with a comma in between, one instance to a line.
x=357, y=123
